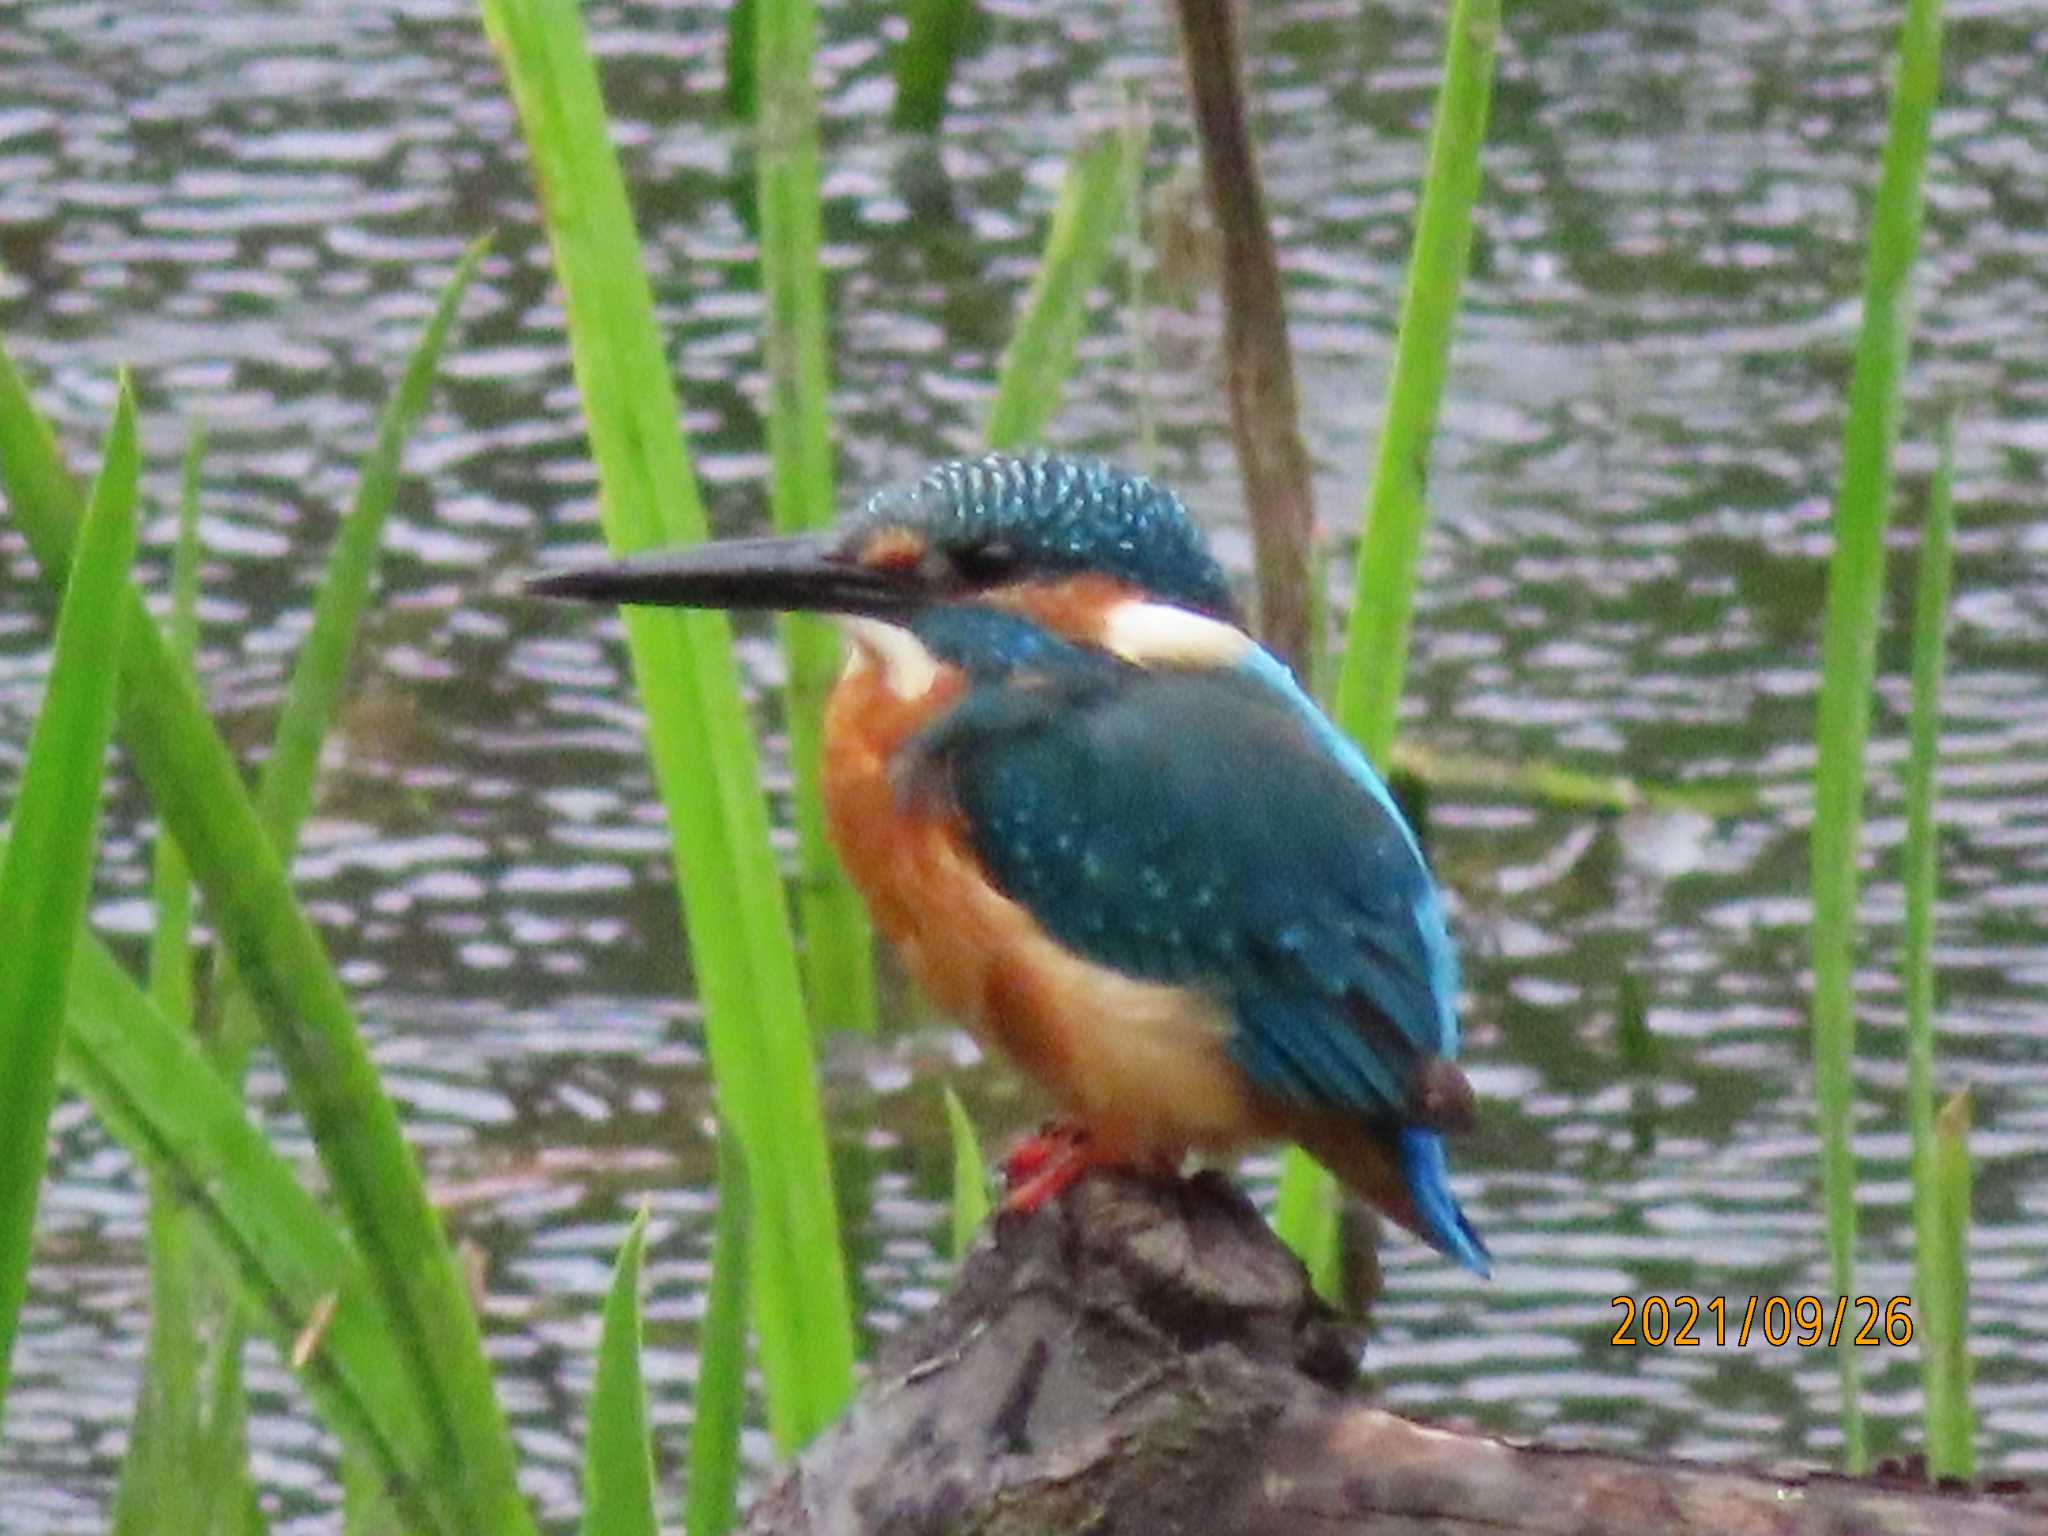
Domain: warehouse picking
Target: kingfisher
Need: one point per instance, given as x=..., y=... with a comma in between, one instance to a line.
x=1109, y=832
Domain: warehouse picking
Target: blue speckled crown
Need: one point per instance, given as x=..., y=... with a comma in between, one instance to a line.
x=1062, y=514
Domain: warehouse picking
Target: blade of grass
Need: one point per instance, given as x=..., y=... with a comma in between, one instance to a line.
x=285, y=785
x=170, y=939
x=970, y=1176
x=1935, y=1267
x=1085, y=221
x=838, y=949
x=163, y=1483
x=1374, y=668
x=223, y=1460
x=284, y=789
x=711, y=1499
x=925, y=62
x=1306, y=1217
x=1951, y=1420
x=46, y=873
x=150, y=1084
x=1375, y=665
x=366, y=1505
x=192, y=778
x=740, y=91
x=704, y=759
x=312, y=696
x=1855, y=591
x=159, y=1489
x=1553, y=784
x=618, y=1457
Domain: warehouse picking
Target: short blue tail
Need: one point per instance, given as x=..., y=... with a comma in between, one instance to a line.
x=1428, y=1177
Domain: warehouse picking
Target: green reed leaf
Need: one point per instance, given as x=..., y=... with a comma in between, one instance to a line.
x=925, y=61
x=162, y=1483
x=1093, y=197
x=618, y=1457
x=367, y=1508
x=1375, y=665
x=46, y=873
x=970, y=1176
x=312, y=699
x=284, y=788
x=198, y=791
x=148, y=1080
x=1553, y=784
x=158, y=1489
x=1306, y=1217
x=1951, y=1419
x=1855, y=592
x=170, y=939
x=697, y=728
x=838, y=950
x=741, y=93
x=1940, y=1254
x=1374, y=668
x=711, y=1497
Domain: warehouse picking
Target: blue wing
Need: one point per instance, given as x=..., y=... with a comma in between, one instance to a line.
x=1206, y=828
x=1211, y=828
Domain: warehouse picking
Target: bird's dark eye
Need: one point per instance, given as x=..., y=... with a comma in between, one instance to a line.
x=987, y=564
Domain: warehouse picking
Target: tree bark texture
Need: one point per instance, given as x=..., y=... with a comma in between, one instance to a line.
x=1265, y=411
x=1142, y=1358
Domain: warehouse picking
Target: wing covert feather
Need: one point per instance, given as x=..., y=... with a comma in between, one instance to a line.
x=1191, y=827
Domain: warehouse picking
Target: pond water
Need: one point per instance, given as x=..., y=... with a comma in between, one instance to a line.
x=254, y=205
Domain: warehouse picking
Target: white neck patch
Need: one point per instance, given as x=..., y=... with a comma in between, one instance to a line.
x=908, y=668
x=1159, y=634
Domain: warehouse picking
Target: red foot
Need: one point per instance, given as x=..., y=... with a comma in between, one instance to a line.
x=1052, y=1162
x=1042, y=1166
x=1028, y=1156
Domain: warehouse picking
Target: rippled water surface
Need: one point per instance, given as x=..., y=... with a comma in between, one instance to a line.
x=253, y=206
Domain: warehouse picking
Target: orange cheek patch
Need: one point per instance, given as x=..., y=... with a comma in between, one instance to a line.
x=893, y=549
x=1073, y=609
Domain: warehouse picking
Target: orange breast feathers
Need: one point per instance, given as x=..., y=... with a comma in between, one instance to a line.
x=1143, y=1065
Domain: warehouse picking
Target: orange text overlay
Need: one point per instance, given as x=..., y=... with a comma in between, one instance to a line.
x=1744, y=1320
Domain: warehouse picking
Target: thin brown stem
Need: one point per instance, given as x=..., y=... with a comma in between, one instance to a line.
x=1265, y=414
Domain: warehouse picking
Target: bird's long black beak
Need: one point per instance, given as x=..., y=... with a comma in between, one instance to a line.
x=808, y=573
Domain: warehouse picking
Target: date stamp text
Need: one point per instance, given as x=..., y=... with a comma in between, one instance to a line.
x=1806, y=1321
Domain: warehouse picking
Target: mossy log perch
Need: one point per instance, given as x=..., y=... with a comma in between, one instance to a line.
x=1143, y=1357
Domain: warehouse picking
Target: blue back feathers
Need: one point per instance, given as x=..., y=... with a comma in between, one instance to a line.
x=1052, y=516
x=1185, y=826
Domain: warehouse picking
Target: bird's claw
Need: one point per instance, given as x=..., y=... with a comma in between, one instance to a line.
x=1042, y=1166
